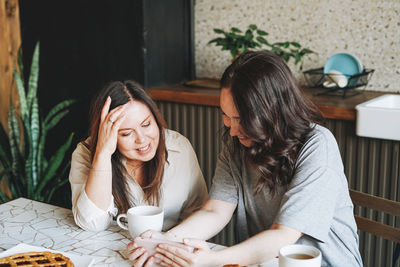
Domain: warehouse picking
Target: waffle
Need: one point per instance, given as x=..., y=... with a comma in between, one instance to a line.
x=36, y=259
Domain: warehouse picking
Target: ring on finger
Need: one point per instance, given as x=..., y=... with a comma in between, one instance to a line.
x=110, y=120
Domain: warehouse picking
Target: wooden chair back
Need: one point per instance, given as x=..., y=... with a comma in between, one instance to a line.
x=379, y=204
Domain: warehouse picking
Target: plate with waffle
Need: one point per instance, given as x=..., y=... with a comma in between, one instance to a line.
x=27, y=255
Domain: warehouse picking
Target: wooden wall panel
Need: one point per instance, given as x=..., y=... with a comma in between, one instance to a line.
x=10, y=41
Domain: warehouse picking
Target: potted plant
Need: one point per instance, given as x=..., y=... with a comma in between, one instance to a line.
x=237, y=42
x=22, y=161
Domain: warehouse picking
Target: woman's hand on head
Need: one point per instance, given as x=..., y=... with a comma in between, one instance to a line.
x=170, y=255
x=110, y=122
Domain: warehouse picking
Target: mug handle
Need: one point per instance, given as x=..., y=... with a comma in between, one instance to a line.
x=120, y=224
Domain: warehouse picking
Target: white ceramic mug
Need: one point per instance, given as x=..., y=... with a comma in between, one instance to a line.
x=142, y=218
x=335, y=78
x=299, y=256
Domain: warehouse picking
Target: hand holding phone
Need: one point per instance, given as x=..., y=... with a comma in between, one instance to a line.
x=150, y=244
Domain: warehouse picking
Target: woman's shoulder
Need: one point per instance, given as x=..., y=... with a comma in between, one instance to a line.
x=320, y=134
x=175, y=141
x=321, y=146
x=82, y=149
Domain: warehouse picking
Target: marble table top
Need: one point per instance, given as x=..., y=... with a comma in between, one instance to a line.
x=44, y=225
x=39, y=224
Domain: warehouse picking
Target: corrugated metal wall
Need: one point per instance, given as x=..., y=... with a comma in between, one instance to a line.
x=371, y=165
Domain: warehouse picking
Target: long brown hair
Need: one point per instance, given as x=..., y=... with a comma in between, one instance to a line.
x=122, y=92
x=273, y=113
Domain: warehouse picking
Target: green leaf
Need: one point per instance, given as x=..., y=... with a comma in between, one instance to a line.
x=286, y=44
x=26, y=159
x=262, y=40
x=21, y=94
x=57, y=108
x=233, y=53
x=286, y=57
x=33, y=77
x=249, y=35
x=14, y=137
x=219, y=31
x=252, y=27
x=40, y=157
x=234, y=29
x=35, y=129
x=296, y=44
x=55, y=120
x=20, y=61
x=5, y=152
x=297, y=58
x=214, y=40
x=60, y=182
x=3, y=197
x=53, y=165
x=234, y=36
x=306, y=51
x=261, y=32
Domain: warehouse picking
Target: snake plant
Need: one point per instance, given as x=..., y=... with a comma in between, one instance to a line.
x=23, y=163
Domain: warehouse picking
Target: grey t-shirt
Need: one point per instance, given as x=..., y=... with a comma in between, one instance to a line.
x=316, y=202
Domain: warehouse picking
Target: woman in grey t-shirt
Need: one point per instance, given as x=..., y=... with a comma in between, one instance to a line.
x=279, y=170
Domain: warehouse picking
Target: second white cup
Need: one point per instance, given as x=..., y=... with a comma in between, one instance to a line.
x=299, y=256
x=142, y=218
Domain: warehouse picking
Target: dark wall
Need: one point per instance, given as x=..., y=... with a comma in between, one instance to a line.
x=84, y=44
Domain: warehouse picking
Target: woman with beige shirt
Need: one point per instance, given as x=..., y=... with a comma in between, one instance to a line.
x=131, y=159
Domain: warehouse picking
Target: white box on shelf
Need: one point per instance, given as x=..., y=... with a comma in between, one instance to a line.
x=379, y=117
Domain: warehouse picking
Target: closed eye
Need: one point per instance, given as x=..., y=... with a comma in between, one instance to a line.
x=146, y=124
x=126, y=133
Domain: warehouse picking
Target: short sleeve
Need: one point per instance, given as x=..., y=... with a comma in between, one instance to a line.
x=310, y=201
x=223, y=184
x=308, y=206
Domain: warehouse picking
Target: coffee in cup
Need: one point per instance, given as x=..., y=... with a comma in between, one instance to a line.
x=142, y=218
x=299, y=256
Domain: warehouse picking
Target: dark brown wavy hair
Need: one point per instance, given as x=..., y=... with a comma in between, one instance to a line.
x=273, y=112
x=122, y=92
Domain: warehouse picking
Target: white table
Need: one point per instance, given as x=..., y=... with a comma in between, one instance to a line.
x=39, y=224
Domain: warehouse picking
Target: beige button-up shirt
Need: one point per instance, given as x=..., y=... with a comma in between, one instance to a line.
x=183, y=189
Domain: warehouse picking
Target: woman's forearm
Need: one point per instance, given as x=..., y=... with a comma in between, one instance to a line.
x=259, y=248
x=205, y=223
x=99, y=184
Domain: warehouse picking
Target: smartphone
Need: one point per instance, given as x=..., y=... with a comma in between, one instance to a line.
x=150, y=244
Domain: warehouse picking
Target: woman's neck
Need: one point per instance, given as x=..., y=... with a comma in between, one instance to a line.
x=136, y=171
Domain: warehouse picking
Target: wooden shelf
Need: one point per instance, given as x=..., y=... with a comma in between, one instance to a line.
x=206, y=92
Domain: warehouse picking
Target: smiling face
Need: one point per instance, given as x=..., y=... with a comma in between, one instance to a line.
x=231, y=118
x=139, y=135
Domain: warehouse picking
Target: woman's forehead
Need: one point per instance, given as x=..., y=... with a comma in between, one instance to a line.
x=136, y=113
x=227, y=105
